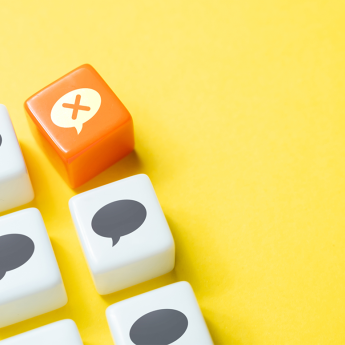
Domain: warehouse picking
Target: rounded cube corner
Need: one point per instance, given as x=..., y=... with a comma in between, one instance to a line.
x=34, y=211
x=64, y=303
x=69, y=321
x=109, y=311
x=26, y=104
x=32, y=196
x=184, y=285
x=87, y=66
x=144, y=177
x=72, y=202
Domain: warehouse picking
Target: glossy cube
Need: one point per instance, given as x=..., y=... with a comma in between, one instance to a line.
x=123, y=233
x=15, y=184
x=64, y=332
x=84, y=122
x=30, y=279
x=169, y=315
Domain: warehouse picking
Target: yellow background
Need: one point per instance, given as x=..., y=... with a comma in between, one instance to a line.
x=239, y=118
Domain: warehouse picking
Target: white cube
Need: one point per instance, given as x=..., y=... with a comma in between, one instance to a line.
x=63, y=332
x=15, y=185
x=123, y=232
x=30, y=279
x=163, y=316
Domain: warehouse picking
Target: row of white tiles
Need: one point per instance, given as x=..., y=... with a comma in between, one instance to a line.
x=169, y=315
x=125, y=239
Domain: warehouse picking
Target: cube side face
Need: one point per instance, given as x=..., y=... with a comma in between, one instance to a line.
x=139, y=255
x=16, y=191
x=175, y=302
x=33, y=305
x=15, y=184
x=82, y=119
x=136, y=273
x=31, y=282
x=102, y=155
x=62, y=332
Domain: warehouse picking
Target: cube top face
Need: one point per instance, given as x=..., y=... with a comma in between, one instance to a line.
x=169, y=315
x=62, y=332
x=11, y=158
x=120, y=223
x=76, y=111
x=27, y=261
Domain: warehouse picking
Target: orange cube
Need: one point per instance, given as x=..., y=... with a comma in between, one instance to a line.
x=84, y=122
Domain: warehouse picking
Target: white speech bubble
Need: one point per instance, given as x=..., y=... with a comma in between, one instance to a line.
x=75, y=108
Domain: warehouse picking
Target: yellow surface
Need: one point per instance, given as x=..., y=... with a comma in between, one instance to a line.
x=239, y=115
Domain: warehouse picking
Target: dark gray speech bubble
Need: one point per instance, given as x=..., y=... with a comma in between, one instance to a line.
x=159, y=327
x=119, y=218
x=15, y=251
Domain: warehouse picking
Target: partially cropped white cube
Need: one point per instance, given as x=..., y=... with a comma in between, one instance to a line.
x=30, y=279
x=63, y=332
x=15, y=184
x=167, y=315
x=124, y=234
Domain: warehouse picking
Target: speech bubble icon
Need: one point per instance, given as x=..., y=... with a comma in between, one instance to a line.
x=159, y=327
x=119, y=218
x=15, y=251
x=75, y=108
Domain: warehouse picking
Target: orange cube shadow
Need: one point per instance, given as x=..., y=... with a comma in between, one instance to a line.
x=84, y=122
